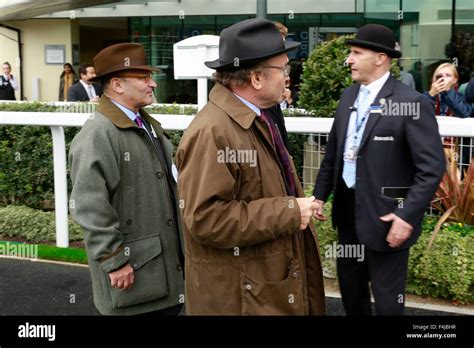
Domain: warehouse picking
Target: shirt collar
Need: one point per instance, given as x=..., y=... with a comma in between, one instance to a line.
x=375, y=86
x=86, y=86
x=130, y=114
x=249, y=104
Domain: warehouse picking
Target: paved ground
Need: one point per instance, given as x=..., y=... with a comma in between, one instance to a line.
x=40, y=288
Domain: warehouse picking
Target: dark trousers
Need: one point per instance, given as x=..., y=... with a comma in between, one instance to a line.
x=386, y=271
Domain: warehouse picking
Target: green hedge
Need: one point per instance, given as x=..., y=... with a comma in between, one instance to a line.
x=33, y=225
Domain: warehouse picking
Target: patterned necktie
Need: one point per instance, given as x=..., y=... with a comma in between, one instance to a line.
x=350, y=165
x=139, y=121
x=281, y=151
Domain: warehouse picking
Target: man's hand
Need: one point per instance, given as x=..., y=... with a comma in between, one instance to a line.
x=307, y=205
x=94, y=99
x=319, y=212
x=122, y=278
x=399, y=232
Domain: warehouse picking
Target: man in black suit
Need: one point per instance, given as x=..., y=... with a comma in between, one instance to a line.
x=384, y=161
x=85, y=90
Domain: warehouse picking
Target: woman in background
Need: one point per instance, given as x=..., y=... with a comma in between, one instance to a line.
x=67, y=79
x=449, y=102
x=444, y=93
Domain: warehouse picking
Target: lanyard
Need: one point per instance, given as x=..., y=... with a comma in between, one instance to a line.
x=357, y=123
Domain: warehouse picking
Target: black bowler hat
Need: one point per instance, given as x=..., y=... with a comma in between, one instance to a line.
x=248, y=42
x=377, y=38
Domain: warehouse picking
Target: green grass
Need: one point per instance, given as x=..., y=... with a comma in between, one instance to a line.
x=50, y=252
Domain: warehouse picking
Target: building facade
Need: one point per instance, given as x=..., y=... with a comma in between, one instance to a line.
x=429, y=32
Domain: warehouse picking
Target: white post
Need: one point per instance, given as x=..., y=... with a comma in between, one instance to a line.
x=202, y=92
x=60, y=186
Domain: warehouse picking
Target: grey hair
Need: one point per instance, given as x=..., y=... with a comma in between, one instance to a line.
x=239, y=78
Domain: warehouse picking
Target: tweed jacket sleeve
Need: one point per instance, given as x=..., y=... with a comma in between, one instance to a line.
x=95, y=174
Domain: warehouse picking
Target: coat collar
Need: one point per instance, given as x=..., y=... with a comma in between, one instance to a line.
x=107, y=108
x=224, y=99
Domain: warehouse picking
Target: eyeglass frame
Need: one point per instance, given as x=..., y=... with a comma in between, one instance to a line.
x=284, y=69
x=148, y=76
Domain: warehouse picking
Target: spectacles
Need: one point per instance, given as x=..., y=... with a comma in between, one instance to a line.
x=147, y=76
x=284, y=69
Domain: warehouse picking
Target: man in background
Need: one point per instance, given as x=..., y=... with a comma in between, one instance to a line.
x=85, y=89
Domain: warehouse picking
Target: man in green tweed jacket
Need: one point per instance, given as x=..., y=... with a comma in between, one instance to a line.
x=124, y=193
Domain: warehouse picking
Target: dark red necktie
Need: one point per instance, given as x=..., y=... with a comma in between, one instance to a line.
x=281, y=152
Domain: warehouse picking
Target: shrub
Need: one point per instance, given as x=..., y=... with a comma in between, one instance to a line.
x=325, y=76
x=447, y=269
x=33, y=225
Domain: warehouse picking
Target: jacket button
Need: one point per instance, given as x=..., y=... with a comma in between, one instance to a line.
x=129, y=222
x=135, y=266
x=170, y=222
x=178, y=267
x=295, y=274
x=159, y=175
x=248, y=286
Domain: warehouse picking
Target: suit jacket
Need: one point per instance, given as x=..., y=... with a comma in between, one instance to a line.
x=399, y=157
x=77, y=92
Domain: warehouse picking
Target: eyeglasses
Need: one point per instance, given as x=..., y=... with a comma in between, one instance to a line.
x=147, y=76
x=284, y=69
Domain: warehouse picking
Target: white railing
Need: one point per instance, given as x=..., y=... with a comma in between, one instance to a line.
x=448, y=126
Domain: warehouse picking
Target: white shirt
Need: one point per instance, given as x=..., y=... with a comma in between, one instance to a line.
x=374, y=89
x=249, y=105
x=89, y=89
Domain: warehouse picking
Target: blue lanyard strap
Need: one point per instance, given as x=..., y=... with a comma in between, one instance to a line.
x=357, y=123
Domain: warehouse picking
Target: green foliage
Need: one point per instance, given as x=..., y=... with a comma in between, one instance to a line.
x=447, y=270
x=33, y=225
x=26, y=173
x=325, y=76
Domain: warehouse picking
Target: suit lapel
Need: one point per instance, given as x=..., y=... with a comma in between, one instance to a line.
x=386, y=91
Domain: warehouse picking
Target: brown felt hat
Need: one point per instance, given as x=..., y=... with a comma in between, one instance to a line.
x=120, y=57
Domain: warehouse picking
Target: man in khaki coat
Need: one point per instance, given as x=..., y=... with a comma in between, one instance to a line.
x=249, y=241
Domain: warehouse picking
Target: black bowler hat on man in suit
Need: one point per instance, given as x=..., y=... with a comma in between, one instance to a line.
x=377, y=38
x=248, y=42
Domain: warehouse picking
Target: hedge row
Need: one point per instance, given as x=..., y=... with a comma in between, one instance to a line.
x=33, y=225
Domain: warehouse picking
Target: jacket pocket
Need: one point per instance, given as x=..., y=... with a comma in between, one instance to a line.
x=285, y=297
x=150, y=274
